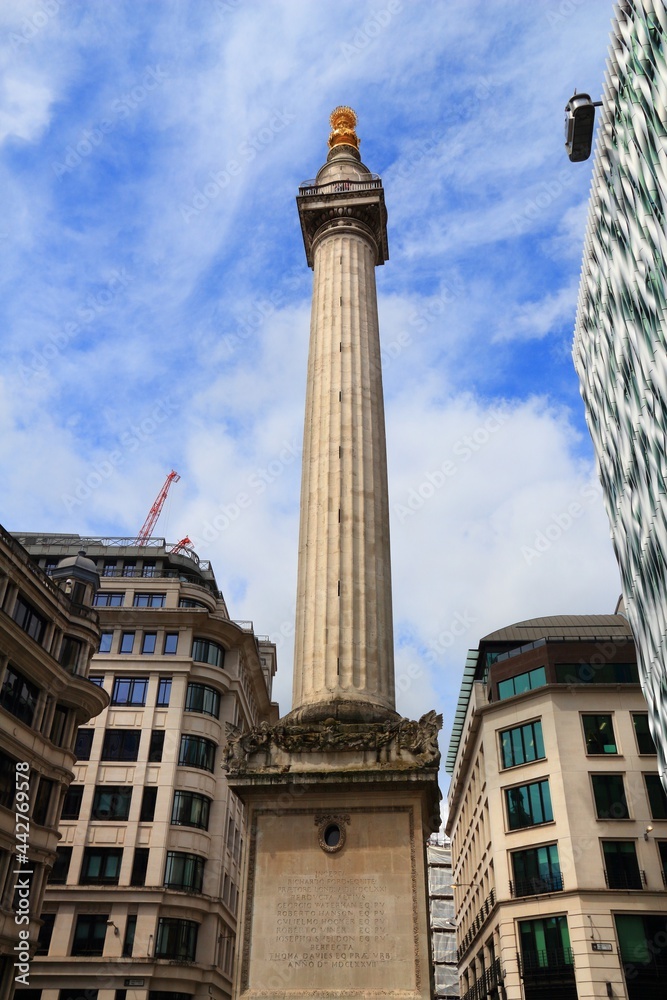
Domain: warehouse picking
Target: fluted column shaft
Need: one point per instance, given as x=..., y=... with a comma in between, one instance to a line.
x=344, y=635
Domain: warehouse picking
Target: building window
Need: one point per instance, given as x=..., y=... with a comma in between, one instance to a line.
x=522, y=744
x=163, y=692
x=97, y=681
x=656, y=796
x=197, y=752
x=129, y=690
x=528, y=805
x=621, y=868
x=148, y=799
x=7, y=780
x=84, y=743
x=43, y=941
x=149, y=600
x=70, y=653
x=599, y=734
x=58, y=874
x=204, y=699
x=150, y=568
x=662, y=851
x=40, y=811
x=105, y=599
x=148, y=643
x=130, y=930
x=184, y=871
x=205, y=651
x=599, y=673
x=72, y=803
x=59, y=725
x=78, y=993
x=18, y=695
x=644, y=962
x=130, y=567
x=121, y=744
x=645, y=742
x=89, y=934
x=101, y=865
x=156, y=746
x=139, y=866
x=190, y=809
x=106, y=639
x=111, y=802
x=27, y=618
x=545, y=947
x=109, y=568
x=171, y=643
x=536, y=870
x=176, y=939
x=126, y=642
x=188, y=602
x=521, y=683
x=609, y=792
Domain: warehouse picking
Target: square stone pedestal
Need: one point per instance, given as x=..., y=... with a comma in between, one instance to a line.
x=335, y=901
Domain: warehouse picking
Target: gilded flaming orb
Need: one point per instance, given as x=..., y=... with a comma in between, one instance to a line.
x=343, y=122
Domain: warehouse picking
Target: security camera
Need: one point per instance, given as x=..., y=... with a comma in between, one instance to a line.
x=579, y=125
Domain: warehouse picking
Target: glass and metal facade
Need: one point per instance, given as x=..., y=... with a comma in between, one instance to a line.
x=621, y=330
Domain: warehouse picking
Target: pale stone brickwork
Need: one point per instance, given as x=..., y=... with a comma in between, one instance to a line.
x=559, y=834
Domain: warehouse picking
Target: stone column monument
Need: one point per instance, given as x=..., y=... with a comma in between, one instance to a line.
x=342, y=792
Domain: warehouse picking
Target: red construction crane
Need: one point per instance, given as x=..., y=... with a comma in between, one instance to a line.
x=185, y=543
x=155, y=510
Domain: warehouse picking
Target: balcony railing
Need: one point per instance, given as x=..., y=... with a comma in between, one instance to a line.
x=550, y=964
x=619, y=878
x=340, y=186
x=477, y=924
x=535, y=886
x=488, y=981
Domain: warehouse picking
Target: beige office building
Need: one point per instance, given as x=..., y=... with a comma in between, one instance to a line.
x=142, y=900
x=557, y=817
x=48, y=633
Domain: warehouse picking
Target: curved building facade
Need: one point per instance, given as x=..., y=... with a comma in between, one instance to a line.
x=142, y=900
x=48, y=634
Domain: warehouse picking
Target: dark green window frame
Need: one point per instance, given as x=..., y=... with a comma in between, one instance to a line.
x=609, y=795
x=645, y=742
x=529, y=805
x=599, y=734
x=522, y=744
x=520, y=683
x=657, y=798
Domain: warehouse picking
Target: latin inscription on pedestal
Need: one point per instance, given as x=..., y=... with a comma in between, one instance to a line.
x=332, y=921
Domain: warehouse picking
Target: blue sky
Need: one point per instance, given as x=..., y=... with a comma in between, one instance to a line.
x=155, y=296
